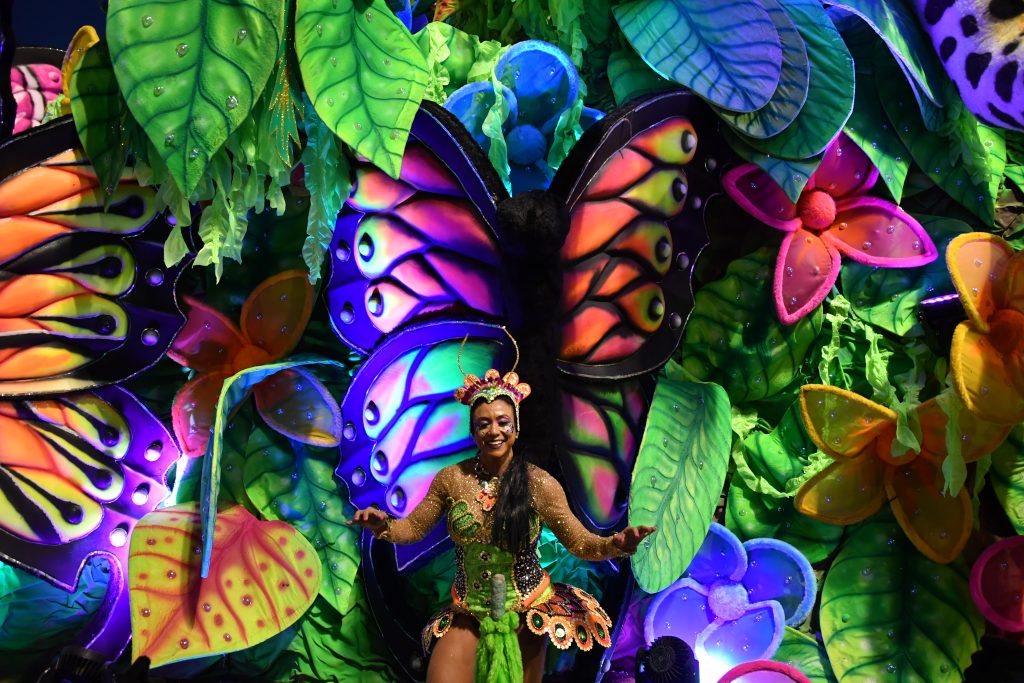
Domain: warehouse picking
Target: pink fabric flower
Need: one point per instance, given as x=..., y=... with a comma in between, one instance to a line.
x=833, y=216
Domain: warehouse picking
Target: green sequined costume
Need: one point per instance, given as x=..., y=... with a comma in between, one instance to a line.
x=567, y=615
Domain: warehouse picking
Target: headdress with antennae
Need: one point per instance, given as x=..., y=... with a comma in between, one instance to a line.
x=493, y=383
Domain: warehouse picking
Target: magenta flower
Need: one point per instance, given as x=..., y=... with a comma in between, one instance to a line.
x=833, y=216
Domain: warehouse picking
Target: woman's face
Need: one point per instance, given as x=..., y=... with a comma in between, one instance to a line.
x=493, y=427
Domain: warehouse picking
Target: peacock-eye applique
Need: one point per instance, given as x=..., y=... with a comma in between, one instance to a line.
x=987, y=355
x=833, y=217
x=293, y=402
x=858, y=434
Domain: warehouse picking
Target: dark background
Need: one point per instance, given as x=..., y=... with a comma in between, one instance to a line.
x=52, y=23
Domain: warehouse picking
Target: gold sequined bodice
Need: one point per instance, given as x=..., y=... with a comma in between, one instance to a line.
x=454, y=490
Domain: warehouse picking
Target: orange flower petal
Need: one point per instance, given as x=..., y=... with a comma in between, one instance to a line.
x=275, y=314
x=978, y=437
x=193, y=411
x=842, y=423
x=298, y=405
x=1010, y=286
x=976, y=261
x=845, y=492
x=208, y=341
x=984, y=381
x=937, y=525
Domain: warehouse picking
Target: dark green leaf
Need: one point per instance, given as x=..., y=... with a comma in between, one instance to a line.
x=191, y=72
x=329, y=184
x=899, y=28
x=631, y=78
x=889, y=613
x=794, y=82
x=751, y=515
x=830, y=93
x=1007, y=477
x=871, y=130
x=804, y=653
x=99, y=111
x=678, y=477
x=364, y=74
x=771, y=463
x=888, y=297
x=729, y=53
x=296, y=484
x=938, y=156
x=734, y=336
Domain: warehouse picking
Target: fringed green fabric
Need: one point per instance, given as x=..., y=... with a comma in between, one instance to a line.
x=498, y=659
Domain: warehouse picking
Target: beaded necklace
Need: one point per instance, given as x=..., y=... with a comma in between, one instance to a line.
x=488, y=493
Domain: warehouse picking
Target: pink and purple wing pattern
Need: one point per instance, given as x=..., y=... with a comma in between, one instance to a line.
x=423, y=246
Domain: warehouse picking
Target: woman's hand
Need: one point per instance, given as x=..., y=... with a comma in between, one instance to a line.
x=370, y=518
x=629, y=538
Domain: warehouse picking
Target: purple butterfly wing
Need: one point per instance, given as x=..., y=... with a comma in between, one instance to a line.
x=402, y=422
x=77, y=472
x=423, y=246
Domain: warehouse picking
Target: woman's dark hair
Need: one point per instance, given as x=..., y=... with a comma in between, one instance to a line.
x=510, y=524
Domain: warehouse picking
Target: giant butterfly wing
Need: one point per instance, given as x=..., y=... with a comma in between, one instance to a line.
x=85, y=299
x=77, y=472
x=424, y=246
x=635, y=187
x=402, y=424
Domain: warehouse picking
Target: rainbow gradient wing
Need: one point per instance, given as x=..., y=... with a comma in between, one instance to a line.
x=635, y=186
x=77, y=472
x=401, y=423
x=85, y=299
x=421, y=247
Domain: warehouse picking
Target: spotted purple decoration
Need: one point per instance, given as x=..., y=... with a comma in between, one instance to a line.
x=77, y=472
x=734, y=601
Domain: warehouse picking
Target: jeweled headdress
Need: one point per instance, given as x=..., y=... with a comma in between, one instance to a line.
x=493, y=384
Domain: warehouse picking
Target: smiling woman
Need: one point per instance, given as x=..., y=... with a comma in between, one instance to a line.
x=505, y=607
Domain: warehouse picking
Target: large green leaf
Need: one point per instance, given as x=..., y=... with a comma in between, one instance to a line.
x=296, y=484
x=191, y=72
x=729, y=53
x=751, y=515
x=869, y=128
x=99, y=110
x=773, y=464
x=830, y=92
x=678, y=477
x=1007, y=477
x=794, y=82
x=631, y=78
x=890, y=614
x=888, y=297
x=734, y=337
x=804, y=653
x=898, y=27
x=364, y=73
x=941, y=157
x=238, y=448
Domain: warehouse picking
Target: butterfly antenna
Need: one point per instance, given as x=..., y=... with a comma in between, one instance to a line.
x=514, y=345
x=458, y=358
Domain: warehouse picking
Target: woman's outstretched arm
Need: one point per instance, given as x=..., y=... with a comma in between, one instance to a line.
x=550, y=503
x=413, y=526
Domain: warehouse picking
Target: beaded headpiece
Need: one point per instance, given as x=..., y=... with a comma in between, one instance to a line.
x=493, y=384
